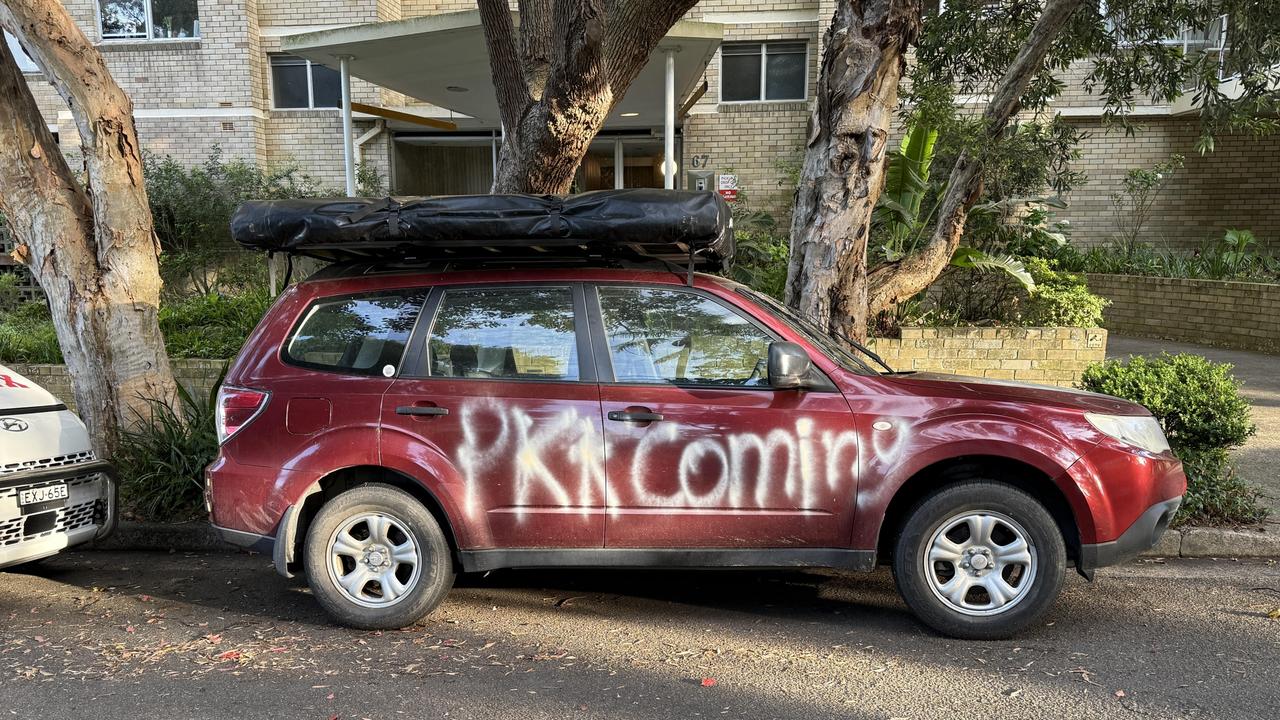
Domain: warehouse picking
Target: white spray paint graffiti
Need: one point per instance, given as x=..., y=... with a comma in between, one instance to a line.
x=782, y=468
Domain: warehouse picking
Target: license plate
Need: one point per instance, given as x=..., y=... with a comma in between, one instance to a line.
x=47, y=493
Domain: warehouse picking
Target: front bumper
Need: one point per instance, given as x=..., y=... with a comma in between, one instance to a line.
x=90, y=511
x=1142, y=535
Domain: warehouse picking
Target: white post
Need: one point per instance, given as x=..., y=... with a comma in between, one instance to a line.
x=619, y=179
x=348, y=143
x=669, y=125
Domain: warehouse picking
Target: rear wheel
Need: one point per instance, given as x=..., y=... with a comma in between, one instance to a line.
x=376, y=559
x=979, y=560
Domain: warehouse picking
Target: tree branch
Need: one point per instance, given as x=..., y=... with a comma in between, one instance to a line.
x=505, y=62
x=535, y=43
x=890, y=283
x=635, y=28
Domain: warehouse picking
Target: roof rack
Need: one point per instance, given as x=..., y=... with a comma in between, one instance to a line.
x=691, y=230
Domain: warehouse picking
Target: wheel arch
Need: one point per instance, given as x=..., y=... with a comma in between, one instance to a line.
x=293, y=531
x=950, y=471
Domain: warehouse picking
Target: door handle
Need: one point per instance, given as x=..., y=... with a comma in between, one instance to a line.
x=421, y=410
x=637, y=415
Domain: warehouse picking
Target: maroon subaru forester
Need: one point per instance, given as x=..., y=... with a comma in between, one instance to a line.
x=390, y=424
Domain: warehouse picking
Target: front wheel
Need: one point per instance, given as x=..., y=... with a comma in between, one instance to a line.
x=979, y=560
x=376, y=559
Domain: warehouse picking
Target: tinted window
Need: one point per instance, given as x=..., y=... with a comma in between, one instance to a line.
x=123, y=18
x=361, y=334
x=679, y=337
x=740, y=72
x=785, y=71
x=289, y=81
x=326, y=87
x=514, y=334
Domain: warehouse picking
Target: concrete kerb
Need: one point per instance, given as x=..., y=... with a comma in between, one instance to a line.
x=1187, y=542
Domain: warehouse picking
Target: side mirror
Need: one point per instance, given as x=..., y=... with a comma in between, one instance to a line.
x=789, y=366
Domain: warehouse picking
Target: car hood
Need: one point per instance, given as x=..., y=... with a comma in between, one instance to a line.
x=18, y=392
x=1010, y=391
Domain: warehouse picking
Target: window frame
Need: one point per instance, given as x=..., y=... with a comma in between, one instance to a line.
x=416, y=364
x=311, y=83
x=764, y=73
x=149, y=25
x=604, y=358
x=282, y=352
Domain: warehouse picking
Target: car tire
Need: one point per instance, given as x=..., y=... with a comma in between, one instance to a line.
x=979, y=560
x=376, y=559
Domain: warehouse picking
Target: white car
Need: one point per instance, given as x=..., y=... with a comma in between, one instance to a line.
x=54, y=491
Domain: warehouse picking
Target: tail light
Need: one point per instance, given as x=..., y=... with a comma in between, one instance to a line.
x=237, y=407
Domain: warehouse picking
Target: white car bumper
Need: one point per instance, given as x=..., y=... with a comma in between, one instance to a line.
x=89, y=511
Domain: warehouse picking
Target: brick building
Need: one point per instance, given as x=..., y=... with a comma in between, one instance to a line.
x=257, y=78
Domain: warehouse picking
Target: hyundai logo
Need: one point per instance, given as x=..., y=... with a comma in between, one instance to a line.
x=13, y=424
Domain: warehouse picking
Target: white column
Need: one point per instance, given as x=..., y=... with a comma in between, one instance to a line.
x=348, y=142
x=669, y=125
x=619, y=164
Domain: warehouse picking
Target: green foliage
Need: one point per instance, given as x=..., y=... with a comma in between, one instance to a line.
x=211, y=326
x=10, y=295
x=1235, y=256
x=1133, y=202
x=897, y=212
x=192, y=209
x=975, y=259
x=161, y=460
x=762, y=250
x=1060, y=299
x=1124, y=45
x=1204, y=415
x=27, y=335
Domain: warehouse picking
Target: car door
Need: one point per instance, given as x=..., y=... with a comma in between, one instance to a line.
x=501, y=400
x=701, y=451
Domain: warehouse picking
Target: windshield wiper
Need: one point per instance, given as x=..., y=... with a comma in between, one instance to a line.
x=863, y=349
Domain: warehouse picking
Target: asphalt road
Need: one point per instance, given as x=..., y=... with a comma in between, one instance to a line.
x=152, y=635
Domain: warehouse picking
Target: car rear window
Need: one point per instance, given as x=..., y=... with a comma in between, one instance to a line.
x=505, y=334
x=358, y=334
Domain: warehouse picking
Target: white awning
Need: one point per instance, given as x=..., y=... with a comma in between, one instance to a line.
x=442, y=59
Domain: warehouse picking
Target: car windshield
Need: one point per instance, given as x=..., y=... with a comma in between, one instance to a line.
x=829, y=344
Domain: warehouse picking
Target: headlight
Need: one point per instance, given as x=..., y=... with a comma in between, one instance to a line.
x=1141, y=431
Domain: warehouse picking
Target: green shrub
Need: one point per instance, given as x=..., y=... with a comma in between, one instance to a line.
x=213, y=325
x=161, y=460
x=1061, y=299
x=1198, y=402
x=27, y=335
x=760, y=260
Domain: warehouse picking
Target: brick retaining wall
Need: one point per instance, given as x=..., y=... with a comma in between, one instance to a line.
x=197, y=376
x=1049, y=355
x=1239, y=315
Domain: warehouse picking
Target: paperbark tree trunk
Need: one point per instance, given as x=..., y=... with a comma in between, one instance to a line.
x=844, y=166
x=556, y=85
x=91, y=244
x=843, y=172
x=891, y=283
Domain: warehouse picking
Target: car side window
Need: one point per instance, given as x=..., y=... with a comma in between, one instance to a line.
x=359, y=334
x=658, y=335
x=505, y=333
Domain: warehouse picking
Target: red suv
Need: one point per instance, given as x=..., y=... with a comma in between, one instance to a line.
x=388, y=426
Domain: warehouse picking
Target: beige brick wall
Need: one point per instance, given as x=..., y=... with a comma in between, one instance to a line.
x=1232, y=187
x=312, y=140
x=756, y=140
x=197, y=376
x=1237, y=315
x=1050, y=356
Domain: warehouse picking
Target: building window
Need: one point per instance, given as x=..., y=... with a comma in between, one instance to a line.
x=760, y=71
x=25, y=63
x=299, y=83
x=148, y=19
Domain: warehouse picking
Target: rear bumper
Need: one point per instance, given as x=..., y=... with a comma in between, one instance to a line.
x=90, y=512
x=1142, y=535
